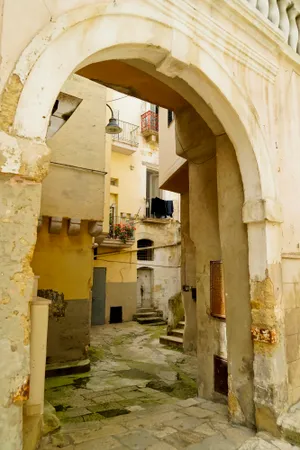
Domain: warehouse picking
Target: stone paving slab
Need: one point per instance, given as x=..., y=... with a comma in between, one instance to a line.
x=144, y=418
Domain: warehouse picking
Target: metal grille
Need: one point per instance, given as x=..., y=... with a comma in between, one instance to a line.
x=146, y=254
x=129, y=134
x=217, y=296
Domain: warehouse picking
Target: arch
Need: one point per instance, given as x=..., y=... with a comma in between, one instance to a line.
x=102, y=32
x=186, y=56
x=145, y=253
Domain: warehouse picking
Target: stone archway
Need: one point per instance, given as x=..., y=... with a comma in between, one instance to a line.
x=99, y=33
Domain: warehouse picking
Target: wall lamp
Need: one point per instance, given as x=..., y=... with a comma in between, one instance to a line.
x=112, y=127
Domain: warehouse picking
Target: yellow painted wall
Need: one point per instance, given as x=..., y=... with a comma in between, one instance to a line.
x=132, y=182
x=121, y=267
x=64, y=263
x=121, y=277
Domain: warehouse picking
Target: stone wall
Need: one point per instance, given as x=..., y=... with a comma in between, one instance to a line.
x=291, y=290
x=165, y=235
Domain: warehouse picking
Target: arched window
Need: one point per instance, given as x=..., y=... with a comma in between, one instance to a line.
x=145, y=254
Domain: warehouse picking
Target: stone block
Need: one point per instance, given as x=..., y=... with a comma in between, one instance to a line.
x=292, y=322
x=188, y=402
x=199, y=412
x=107, y=398
x=291, y=271
x=289, y=295
x=139, y=439
x=206, y=430
x=294, y=373
x=217, y=442
x=86, y=435
x=108, y=443
x=75, y=412
x=238, y=435
x=292, y=348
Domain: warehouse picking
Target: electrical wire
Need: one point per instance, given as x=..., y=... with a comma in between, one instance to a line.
x=115, y=99
x=138, y=263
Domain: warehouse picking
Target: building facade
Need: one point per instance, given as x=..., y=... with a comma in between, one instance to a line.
x=136, y=278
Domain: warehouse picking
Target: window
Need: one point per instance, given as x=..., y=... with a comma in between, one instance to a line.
x=217, y=296
x=114, y=182
x=147, y=254
x=154, y=108
x=152, y=189
x=170, y=117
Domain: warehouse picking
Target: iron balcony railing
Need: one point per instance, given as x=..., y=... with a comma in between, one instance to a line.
x=122, y=228
x=149, y=123
x=129, y=134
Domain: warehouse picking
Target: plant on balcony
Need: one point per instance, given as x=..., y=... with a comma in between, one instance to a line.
x=124, y=231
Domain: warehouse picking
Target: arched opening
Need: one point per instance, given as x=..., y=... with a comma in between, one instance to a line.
x=210, y=159
x=144, y=287
x=217, y=131
x=147, y=254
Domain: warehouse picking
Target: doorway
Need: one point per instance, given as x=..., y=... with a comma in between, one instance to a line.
x=144, y=287
x=99, y=296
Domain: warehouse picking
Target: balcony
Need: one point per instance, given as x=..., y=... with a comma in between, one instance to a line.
x=127, y=141
x=121, y=233
x=149, y=124
x=158, y=210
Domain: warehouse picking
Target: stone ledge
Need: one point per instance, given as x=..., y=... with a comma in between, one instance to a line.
x=74, y=367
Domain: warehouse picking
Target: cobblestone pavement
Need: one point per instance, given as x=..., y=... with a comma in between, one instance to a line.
x=141, y=395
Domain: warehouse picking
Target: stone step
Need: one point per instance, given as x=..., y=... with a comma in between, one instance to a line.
x=178, y=332
x=144, y=310
x=144, y=314
x=146, y=320
x=155, y=324
x=172, y=341
x=181, y=324
x=289, y=424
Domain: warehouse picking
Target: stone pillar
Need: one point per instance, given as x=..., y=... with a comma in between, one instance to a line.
x=268, y=332
x=20, y=187
x=38, y=350
x=205, y=235
x=188, y=277
x=234, y=246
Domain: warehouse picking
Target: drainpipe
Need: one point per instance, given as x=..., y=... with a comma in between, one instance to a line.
x=38, y=349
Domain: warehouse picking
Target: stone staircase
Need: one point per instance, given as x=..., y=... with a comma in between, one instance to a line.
x=149, y=316
x=174, y=337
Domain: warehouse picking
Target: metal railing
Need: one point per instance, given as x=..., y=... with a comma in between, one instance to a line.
x=149, y=123
x=129, y=134
x=122, y=228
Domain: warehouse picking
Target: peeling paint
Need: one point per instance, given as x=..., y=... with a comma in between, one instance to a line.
x=264, y=335
x=9, y=102
x=26, y=327
x=22, y=393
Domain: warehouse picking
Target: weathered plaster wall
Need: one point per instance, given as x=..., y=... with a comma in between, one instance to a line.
x=169, y=161
x=166, y=263
x=205, y=235
x=234, y=248
x=188, y=277
x=19, y=209
x=120, y=280
x=73, y=192
x=247, y=81
x=64, y=264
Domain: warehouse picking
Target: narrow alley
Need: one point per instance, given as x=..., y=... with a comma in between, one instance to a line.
x=139, y=395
